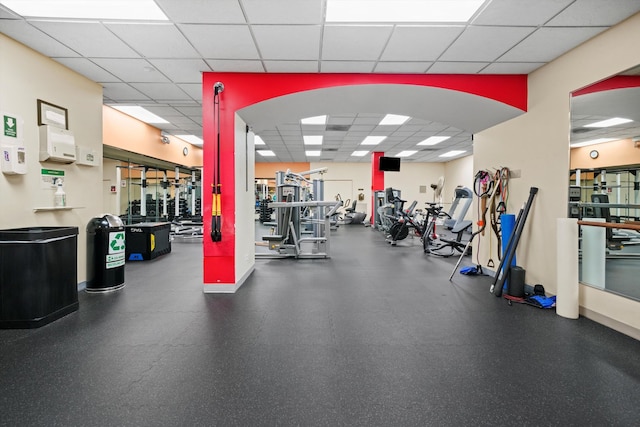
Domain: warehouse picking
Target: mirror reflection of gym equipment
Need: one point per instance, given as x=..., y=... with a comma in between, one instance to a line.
x=613, y=196
x=608, y=256
x=160, y=189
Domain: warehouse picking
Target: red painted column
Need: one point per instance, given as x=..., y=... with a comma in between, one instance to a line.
x=377, y=181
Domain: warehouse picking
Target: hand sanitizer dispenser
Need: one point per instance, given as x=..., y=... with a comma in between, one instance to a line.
x=14, y=159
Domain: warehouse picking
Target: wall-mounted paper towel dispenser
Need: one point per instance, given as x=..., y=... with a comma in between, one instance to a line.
x=57, y=145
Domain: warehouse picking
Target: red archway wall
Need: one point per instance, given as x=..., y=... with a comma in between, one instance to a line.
x=244, y=89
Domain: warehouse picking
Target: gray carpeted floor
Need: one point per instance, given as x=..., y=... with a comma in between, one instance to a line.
x=375, y=336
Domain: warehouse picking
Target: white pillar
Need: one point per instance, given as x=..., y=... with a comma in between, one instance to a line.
x=177, y=192
x=567, y=297
x=165, y=190
x=143, y=192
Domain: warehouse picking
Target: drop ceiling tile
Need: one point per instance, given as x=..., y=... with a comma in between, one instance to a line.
x=354, y=42
x=291, y=66
x=154, y=40
x=35, y=39
x=547, y=44
x=283, y=11
x=346, y=66
x=444, y=67
x=288, y=127
x=484, y=44
x=301, y=42
x=371, y=121
x=595, y=13
x=8, y=14
x=235, y=65
x=181, y=121
x=221, y=41
x=203, y=11
x=511, y=67
x=194, y=90
x=88, y=69
x=161, y=91
x=190, y=111
x=402, y=67
x=131, y=70
x=90, y=39
x=181, y=70
x=419, y=43
x=122, y=92
x=527, y=13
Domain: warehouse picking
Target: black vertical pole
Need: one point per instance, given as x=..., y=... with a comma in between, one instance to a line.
x=216, y=207
x=501, y=276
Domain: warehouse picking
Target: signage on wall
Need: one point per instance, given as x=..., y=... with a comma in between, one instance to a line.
x=10, y=126
x=51, y=177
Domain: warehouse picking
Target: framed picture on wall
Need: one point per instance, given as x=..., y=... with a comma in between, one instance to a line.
x=53, y=115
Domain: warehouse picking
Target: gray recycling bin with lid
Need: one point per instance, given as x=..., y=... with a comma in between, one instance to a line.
x=105, y=253
x=38, y=275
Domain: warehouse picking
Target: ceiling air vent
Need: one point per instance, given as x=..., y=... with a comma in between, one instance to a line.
x=338, y=128
x=329, y=149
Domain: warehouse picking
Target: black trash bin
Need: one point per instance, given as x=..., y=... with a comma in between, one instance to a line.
x=105, y=253
x=38, y=275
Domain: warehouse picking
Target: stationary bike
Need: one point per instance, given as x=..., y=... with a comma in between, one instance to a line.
x=433, y=244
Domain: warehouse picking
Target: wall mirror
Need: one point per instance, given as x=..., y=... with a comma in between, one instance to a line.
x=604, y=181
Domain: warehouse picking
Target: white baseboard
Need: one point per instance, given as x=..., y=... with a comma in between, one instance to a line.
x=226, y=288
x=610, y=323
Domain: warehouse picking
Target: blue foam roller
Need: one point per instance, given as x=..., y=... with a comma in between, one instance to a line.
x=508, y=224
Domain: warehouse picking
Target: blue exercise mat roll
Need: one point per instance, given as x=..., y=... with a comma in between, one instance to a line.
x=508, y=224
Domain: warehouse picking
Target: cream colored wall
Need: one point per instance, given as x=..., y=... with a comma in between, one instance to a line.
x=459, y=172
x=537, y=144
x=110, y=200
x=408, y=180
x=355, y=175
x=244, y=200
x=26, y=76
x=414, y=175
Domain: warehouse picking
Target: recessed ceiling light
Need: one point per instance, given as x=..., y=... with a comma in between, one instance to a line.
x=359, y=153
x=313, y=153
x=315, y=120
x=373, y=140
x=266, y=153
x=452, y=153
x=393, y=119
x=312, y=139
x=140, y=113
x=191, y=139
x=608, y=123
x=143, y=10
x=592, y=142
x=401, y=10
x=433, y=140
x=406, y=153
x=258, y=141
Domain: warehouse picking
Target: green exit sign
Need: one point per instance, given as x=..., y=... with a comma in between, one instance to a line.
x=10, y=126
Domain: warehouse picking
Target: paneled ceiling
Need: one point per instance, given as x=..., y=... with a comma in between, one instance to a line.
x=158, y=65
